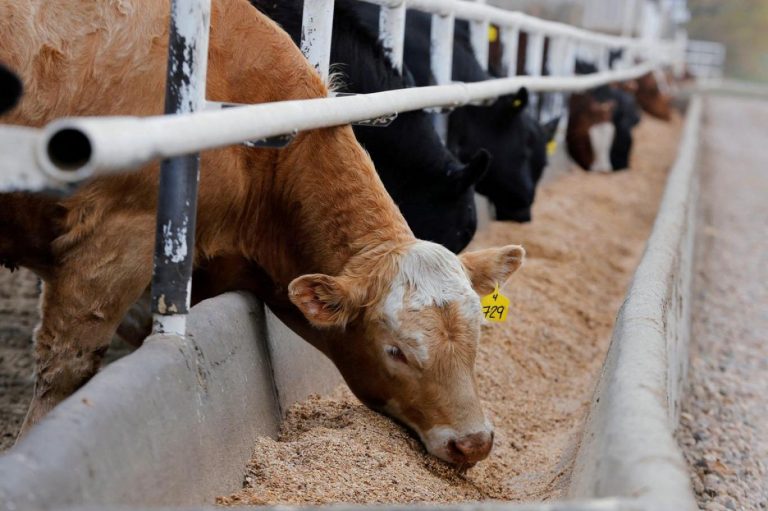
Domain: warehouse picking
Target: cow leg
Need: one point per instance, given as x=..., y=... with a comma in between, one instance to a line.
x=82, y=305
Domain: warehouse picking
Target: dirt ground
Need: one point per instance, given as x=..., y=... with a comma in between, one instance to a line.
x=536, y=373
x=19, y=292
x=18, y=316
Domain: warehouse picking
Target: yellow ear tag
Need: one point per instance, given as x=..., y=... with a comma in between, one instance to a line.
x=551, y=147
x=495, y=306
x=493, y=33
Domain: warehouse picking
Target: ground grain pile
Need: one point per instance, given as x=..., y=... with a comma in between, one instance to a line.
x=536, y=372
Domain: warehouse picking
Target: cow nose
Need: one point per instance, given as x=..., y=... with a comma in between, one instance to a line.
x=473, y=447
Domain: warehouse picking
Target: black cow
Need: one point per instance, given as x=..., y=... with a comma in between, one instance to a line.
x=10, y=89
x=516, y=141
x=626, y=115
x=434, y=191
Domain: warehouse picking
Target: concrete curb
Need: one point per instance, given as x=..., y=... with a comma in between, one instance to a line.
x=628, y=449
x=171, y=424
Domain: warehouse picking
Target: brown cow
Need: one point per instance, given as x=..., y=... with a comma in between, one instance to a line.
x=590, y=131
x=312, y=223
x=652, y=99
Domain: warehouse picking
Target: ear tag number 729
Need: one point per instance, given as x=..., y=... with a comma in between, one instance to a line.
x=495, y=306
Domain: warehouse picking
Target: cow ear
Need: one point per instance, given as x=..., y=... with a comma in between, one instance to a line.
x=324, y=300
x=516, y=103
x=473, y=171
x=492, y=266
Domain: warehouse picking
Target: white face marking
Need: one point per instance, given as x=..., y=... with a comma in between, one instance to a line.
x=429, y=274
x=601, y=137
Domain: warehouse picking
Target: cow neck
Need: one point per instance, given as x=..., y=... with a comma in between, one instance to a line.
x=334, y=202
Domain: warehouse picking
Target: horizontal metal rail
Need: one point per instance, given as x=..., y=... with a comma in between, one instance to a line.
x=118, y=143
x=485, y=13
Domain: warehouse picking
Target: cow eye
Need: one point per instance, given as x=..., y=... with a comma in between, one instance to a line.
x=396, y=354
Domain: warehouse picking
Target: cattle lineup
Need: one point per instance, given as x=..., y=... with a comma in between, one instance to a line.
x=370, y=171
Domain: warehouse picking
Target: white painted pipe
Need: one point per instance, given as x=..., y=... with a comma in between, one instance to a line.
x=316, y=33
x=478, y=32
x=510, y=40
x=118, y=143
x=479, y=12
x=392, y=33
x=441, y=61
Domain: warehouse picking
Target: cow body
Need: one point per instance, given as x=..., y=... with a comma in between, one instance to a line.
x=433, y=190
x=514, y=139
x=310, y=226
x=610, y=147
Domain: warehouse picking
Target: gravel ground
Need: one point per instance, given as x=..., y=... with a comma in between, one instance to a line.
x=724, y=422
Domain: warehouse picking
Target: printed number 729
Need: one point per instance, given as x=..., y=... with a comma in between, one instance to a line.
x=493, y=311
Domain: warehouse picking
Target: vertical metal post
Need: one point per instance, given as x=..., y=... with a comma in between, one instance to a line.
x=392, y=33
x=316, y=34
x=557, y=56
x=177, y=198
x=441, y=60
x=510, y=39
x=478, y=32
x=534, y=61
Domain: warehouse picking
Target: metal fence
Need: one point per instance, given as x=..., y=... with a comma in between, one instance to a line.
x=705, y=59
x=73, y=149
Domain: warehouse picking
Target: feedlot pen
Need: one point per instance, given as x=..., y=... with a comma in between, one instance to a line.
x=536, y=372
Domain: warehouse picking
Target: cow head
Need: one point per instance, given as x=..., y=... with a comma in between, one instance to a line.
x=590, y=131
x=441, y=208
x=652, y=99
x=507, y=132
x=411, y=318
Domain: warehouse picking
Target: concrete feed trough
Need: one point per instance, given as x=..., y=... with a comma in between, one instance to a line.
x=174, y=423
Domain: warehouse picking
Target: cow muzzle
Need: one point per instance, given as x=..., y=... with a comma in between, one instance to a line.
x=463, y=450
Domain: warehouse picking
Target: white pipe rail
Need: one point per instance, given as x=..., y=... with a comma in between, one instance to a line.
x=480, y=12
x=392, y=33
x=441, y=61
x=317, y=23
x=119, y=143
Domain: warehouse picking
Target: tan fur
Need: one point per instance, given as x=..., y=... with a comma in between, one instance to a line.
x=310, y=228
x=108, y=58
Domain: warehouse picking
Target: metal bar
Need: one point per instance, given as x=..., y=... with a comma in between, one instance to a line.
x=478, y=31
x=392, y=33
x=316, y=34
x=510, y=40
x=479, y=12
x=441, y=61
x=179, y=175
x=144, y=139
x=534, y=62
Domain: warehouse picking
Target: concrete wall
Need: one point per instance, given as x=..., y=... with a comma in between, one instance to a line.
x=628, y=449
x=172, y=423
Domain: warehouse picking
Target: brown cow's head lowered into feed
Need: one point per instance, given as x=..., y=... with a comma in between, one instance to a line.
x=411, y=318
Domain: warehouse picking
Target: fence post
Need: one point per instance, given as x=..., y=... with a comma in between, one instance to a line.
x=177, y=198
x=510, y=40
x=316, y=34
x=392, y=33
x=478, y=32
x=534, y=62
x=441, y=60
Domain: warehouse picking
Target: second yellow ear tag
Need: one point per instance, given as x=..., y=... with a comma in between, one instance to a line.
x=493, y=33
x=495, y=306
x=551, y=147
